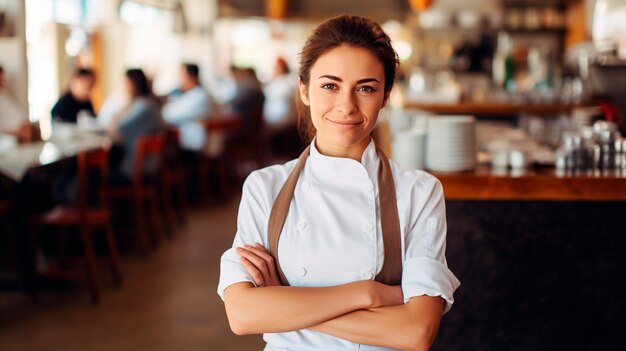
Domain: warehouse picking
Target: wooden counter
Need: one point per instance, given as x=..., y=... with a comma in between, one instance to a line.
x=539, y=185
x=494, y=108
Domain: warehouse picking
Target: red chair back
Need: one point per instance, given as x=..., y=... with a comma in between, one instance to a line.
x=223, y=123
x=147, y=146
x=87, y=161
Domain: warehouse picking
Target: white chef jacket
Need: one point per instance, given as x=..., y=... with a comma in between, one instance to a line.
x=332, y=234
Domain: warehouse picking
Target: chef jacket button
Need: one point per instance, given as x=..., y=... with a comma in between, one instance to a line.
x=368, y=275
x=307, y=185
x=368, y=227
x=301, y=225
x=301, y=271
x=368, y=188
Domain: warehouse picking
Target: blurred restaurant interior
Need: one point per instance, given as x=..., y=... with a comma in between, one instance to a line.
x=518, y=107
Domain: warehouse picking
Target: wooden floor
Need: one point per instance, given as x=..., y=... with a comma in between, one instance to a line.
x=168, y=301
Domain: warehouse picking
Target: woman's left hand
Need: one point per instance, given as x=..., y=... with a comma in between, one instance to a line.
x=259, y=264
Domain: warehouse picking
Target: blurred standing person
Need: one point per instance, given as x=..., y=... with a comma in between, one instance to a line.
x=187, y=106
x=279, y=112
x=248, y=101
x=140, y=118
x=279, y=93
x=13, y=120
x=77, y=98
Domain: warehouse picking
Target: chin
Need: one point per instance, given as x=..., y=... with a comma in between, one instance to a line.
x=347, y=140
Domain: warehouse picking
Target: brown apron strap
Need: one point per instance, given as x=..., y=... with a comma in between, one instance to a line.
x=391, y=272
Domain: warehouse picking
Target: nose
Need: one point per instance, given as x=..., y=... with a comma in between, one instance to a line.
x=346, y=103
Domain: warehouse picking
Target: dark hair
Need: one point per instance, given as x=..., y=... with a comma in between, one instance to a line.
x=192, y=70
x=84, y=73
x=348, y=30
x=139, y=81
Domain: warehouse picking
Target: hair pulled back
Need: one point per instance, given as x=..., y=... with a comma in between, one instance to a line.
x=348, y=30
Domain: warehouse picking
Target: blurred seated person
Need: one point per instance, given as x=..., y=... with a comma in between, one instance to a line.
x=248, y=101
x=141, y=117
x=13, y=120
x=187, y=106
x=77, y=98
x=279, y=112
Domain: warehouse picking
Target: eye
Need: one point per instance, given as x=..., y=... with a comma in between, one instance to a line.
x=365, y=89
x=329, y=86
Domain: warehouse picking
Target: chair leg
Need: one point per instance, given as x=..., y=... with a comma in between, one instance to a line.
x=166, y=203
x=203, y=175
x=63, y=260
x=116, y=268
x=224, y=184
x=90, y=265
x=140, y=224
x=155, y=216
x=183, y=198
x=34, y=252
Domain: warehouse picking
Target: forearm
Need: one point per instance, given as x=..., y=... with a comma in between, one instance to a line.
x=281, y=309
x=412, y=326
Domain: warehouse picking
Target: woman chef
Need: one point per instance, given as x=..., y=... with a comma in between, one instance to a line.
x=340, y=249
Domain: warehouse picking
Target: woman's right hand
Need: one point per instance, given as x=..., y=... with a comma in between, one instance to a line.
x=259, y=264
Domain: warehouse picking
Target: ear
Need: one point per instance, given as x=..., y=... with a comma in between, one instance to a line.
x=304, y=93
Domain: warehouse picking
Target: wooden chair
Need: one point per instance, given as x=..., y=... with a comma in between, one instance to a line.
x=144, y=191
x=85, y=218
x=173, y=179
x=227, y=127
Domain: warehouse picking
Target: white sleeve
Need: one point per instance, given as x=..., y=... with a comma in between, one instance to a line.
x=251, y=228
x=191, y=106
x=425, y=271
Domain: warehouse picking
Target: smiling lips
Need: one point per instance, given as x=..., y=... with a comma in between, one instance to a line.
x=346, y=124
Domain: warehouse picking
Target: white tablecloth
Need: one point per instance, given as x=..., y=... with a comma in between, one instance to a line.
x=15, y=162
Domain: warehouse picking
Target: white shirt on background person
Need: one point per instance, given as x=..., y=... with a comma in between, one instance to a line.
x=279, y=105
x=185, y=111
x=333, y=235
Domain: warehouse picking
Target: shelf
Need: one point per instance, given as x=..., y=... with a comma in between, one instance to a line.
x=541, y=185
x=494, y=108
x=559, y=31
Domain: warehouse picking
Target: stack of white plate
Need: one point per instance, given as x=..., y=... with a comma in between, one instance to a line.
x=408, y=148
x=451, y=143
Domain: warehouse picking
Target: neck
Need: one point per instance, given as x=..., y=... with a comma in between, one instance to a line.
x=188, y=87
x=354, y=152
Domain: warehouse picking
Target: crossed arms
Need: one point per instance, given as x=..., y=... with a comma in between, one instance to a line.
x=365, y=312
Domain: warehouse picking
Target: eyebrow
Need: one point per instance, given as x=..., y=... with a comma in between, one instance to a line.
x=360, y=81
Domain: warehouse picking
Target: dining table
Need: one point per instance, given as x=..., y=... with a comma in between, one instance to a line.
x=18, y=159
x=22, y=166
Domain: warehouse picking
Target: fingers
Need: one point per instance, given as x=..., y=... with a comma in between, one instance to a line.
x=261, y=252
x=259, y=256
x=253, y=271
x=255, y=260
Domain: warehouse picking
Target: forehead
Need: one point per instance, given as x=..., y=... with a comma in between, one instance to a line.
x=348, y=63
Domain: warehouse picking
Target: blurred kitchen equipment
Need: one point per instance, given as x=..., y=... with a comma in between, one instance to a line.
x=607, y=76
x=601, y=148
x=608, y=30
x=451, y=143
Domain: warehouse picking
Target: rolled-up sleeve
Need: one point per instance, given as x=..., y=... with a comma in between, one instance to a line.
x=251, y=229
x=425, y=271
